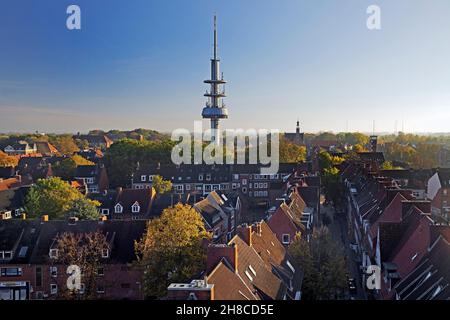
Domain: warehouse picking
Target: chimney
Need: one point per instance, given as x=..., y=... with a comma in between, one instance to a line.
x=216, y=253
x=245, y=232
x=257, y=228
x=44, y=218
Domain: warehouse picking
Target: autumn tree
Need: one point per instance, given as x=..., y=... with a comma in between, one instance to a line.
x=323, y=264
x=85, y=250
x=7, y=161
x=64, y=143
x=170, y=250
x=291, y=152
x=53, y=197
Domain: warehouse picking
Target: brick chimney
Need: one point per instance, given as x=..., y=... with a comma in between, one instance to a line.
x=215, y=253
x=245, y=232
x=257, y=228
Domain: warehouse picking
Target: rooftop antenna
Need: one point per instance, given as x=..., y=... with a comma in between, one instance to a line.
x=215, y=36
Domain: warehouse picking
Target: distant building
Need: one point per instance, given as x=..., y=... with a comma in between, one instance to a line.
x=20, y=148
x=95, y=140
x=298, y=137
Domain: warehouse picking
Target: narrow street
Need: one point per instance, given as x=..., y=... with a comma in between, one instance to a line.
x=339, y=231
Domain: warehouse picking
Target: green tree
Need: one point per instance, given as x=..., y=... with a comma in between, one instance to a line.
x=332, y=185
x=84, y=209
x=52, y=197
x=161, y=186
x=323, y=264
x=171, y=250
x=122, y=157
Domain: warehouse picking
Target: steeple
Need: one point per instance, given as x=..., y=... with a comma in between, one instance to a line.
x=297, y=128
x=215, y=108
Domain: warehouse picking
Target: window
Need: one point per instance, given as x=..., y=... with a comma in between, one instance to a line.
x=100, y=288
x=244, y=182
x=90, y=180
x=105, y=212
x=105, y=253
x=135, y=208
x=252, y=270
x=7, y=255
x=11, y=272
x=248, y=275
x=208, y=177
x=100, y=271
x=290, y=266
x=54, y=271
x=53, y=288
x=143, y=178
x=244, y=190
x=188, y=187
x=200, y=177
x=235, y=177
x=286, y=238
x=118, y=208
x=53, y=253
x=38, y=276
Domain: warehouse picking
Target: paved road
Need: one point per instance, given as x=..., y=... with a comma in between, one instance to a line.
x=339, y=231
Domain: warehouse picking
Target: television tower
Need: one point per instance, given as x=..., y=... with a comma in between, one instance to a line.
x=215, y=109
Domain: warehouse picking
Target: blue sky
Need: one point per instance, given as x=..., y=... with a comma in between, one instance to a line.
x=141, y=63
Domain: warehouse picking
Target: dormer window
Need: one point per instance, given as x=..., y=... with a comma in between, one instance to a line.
x=53, y=253
x=143, y=178
x=135, y=208
x=200, y=177
x=118, y=208
x=150, y=178
x=208, y=177
x=105, y=253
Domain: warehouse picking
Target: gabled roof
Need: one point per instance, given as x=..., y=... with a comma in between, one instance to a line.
x=264, y=282
x=228, y=285
x=7, y=172
x=430, y=280
x=128, y=197
x=392, y=213
x=86, y=171
x=46, y=148
x=38, y=237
